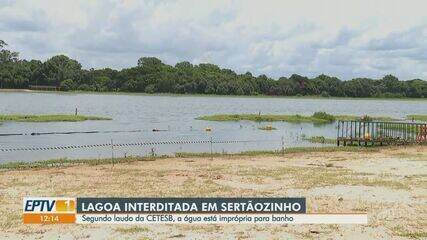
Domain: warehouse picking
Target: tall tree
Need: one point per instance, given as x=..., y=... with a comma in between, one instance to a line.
x=60, y=68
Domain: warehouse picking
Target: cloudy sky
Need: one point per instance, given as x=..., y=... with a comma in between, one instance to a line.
x=351, y=38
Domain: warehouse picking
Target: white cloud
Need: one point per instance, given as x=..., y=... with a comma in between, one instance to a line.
x=342, y=38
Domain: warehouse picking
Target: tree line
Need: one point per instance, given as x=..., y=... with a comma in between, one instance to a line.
x=151, y=75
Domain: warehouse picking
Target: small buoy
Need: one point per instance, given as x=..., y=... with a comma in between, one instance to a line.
x=208, y=129
x=267, y=128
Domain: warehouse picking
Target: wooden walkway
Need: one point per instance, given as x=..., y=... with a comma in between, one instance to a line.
x=380, y=133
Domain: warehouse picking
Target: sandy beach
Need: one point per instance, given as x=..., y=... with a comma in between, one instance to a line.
x=389, y=184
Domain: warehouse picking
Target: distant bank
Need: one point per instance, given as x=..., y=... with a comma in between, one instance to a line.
x=209, y=95
x=151, y=75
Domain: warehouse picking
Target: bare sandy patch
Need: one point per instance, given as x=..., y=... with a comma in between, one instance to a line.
x=390, y=185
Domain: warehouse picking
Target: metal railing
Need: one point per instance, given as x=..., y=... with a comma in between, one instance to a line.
x=364, y=132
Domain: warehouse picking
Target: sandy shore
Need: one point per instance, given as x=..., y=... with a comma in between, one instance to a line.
x=391, y=185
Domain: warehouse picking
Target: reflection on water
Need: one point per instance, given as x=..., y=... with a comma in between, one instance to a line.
x=135, y=117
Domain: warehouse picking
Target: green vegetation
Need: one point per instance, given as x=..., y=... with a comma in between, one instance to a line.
x=62, y=162
x=48, y=118
x=417, y=117
x=320, y=139
x=151, y=75
x=280, y=152
x=324, y=116
x=318, y=117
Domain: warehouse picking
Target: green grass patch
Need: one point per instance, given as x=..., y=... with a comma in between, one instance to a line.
x=320, y=139
x=280, y=152
x=63, y=162
x=49, y=118
x=417, y=117
x=318, y=117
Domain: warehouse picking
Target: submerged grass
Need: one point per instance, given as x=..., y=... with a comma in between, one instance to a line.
x=49, y=118
x=320, y=139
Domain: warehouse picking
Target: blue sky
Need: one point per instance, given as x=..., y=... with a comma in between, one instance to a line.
x=352, y=38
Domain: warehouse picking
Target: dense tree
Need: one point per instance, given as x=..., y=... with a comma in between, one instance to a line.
x=151, y=75
x=59, y=68
x=9, y=67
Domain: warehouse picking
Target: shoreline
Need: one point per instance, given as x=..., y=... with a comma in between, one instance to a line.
x=65, y=162
x=208, y=95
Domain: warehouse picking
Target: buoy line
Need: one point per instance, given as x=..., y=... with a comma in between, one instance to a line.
x=125, y=145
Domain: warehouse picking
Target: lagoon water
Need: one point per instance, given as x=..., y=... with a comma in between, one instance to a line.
x=136, y=115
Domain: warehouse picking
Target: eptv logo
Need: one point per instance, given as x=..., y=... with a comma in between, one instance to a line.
x=52, y=205
x=47, y=210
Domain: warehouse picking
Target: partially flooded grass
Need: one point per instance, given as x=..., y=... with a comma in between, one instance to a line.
x=320, y=139
x=318, y=117
x=264, y=118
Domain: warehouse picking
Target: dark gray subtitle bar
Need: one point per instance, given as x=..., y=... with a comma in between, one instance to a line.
x=191, y=205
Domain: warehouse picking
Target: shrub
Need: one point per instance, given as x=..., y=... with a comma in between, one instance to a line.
x=325, y=94
x=68, y=85
x=324, y=116
x=366, y=118
x=85, y=87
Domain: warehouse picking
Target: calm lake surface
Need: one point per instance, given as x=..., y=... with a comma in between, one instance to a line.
x=135, y=116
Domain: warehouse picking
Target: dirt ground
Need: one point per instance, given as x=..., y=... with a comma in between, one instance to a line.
x=390, y=185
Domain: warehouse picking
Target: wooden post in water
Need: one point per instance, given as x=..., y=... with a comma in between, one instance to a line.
x=210, y=140
x=112, y=152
